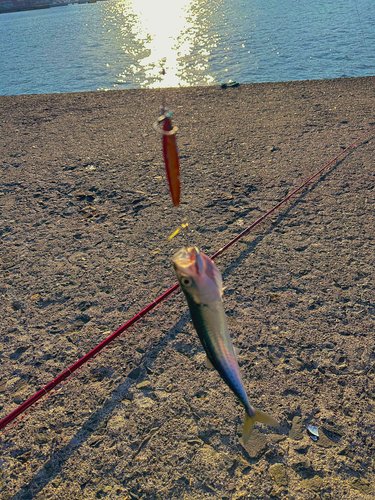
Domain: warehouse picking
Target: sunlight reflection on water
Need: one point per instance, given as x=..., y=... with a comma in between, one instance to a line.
x=121, y=44
x=177, y=36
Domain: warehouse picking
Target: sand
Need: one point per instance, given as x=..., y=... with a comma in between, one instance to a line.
x=86, y=214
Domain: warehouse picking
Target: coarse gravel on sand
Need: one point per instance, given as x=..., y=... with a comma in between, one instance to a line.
x=85, y=219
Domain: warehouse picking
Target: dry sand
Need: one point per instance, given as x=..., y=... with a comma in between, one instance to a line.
x=85, y=217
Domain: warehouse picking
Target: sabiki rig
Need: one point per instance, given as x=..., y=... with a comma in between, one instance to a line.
x=201, y=283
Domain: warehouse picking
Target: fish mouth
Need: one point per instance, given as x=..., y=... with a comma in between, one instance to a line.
x=188, y=261
x=191, y=263
x=185, y=257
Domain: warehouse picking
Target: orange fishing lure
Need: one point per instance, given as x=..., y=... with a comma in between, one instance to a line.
x=172, y=162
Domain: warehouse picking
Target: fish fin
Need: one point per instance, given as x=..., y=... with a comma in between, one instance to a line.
x=209, y=364
x=236, y=351
x=249, y=422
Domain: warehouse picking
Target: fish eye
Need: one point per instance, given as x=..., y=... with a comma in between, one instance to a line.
x=186, y=281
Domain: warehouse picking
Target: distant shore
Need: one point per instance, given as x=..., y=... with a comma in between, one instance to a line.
x=26, y=7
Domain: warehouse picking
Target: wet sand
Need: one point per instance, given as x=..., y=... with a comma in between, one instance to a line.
x=86, y=213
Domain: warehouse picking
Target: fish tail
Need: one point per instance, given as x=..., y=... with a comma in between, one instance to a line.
x=249, y=422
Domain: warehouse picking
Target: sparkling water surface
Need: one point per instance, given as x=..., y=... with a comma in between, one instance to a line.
x=120, y=44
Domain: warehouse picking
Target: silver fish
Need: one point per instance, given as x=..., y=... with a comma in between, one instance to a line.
x=201, y=283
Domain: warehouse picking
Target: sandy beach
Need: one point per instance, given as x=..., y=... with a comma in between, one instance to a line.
x=85, y=219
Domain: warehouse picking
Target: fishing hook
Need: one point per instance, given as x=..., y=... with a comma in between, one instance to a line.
x=160, y=120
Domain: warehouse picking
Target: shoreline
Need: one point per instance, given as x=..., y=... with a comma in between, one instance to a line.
x=83, y=238
x=197, y=87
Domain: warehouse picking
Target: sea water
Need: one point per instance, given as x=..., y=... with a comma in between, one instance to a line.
x=120, y=44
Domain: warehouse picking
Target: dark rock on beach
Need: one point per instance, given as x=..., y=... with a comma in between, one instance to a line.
x=85, y=220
